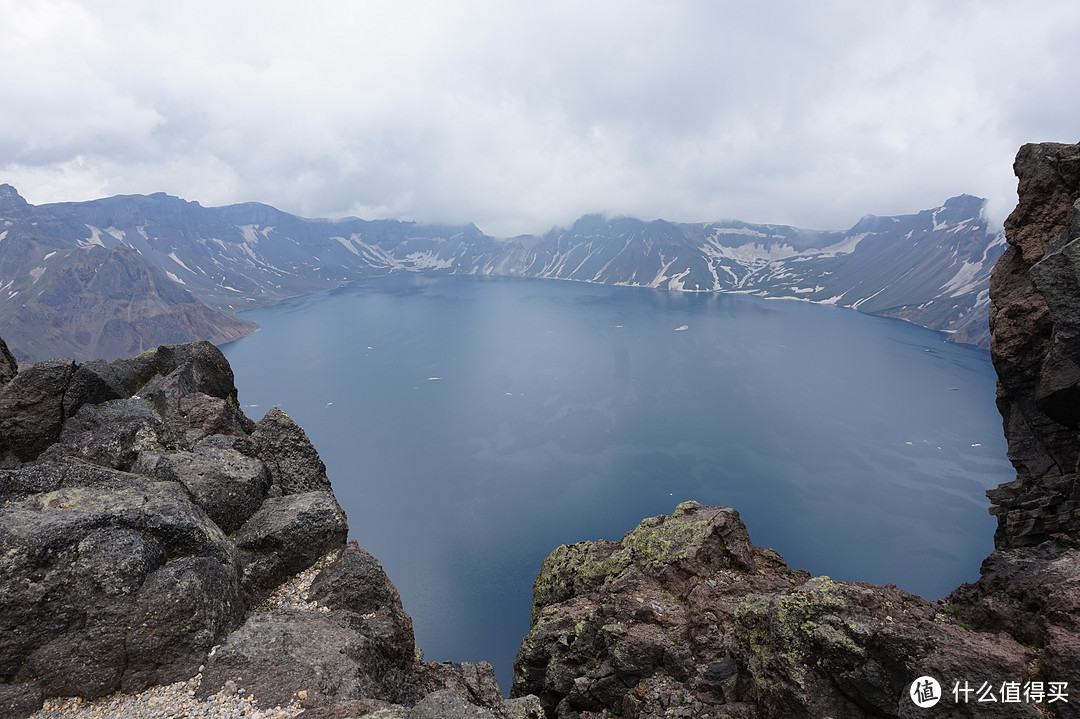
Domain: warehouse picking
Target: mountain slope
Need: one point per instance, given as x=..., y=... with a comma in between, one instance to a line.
x=931, y=268
x=64, y=297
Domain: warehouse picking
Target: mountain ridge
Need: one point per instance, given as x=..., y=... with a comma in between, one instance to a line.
x=930, y=268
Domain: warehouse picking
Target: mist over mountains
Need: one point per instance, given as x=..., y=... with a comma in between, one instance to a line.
x=113, y=277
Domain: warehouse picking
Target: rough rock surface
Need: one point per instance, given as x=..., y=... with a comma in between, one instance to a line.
x=146, y=525
x=1030, y=585
x=1035, y=324
x=112, y=581
x=685, y=617
x=32, y=410
x=8, y=366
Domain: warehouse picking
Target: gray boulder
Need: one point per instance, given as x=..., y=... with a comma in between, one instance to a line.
x=32, y=409
x=112, y=434
x=183, y=369
x=294, y=463
x=316, y=658
x=228, y=485
x=94, y=382
x=355, y=581
x=287, y=535
x=112, y=581
x=445, y=704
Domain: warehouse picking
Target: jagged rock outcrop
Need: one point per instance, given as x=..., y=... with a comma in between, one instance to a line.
x=1031, y=583
x=8, y=366
x=1035, y=321
x=684, y=617
x=149, y=529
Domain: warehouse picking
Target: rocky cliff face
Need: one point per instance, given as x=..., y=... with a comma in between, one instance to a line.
x=150, y=532
x=685, y=617
x=1030, y=583
x=1035, y=320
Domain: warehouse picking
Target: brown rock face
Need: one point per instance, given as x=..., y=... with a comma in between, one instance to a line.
x=1035, y=326
x=685, y=617
x=1030, y=585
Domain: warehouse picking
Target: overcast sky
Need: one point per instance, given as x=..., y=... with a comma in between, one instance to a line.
x=522, y=115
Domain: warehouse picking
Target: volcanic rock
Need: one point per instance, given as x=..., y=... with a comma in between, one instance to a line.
x=8, y=366
x=145, y=521
x=684, y=614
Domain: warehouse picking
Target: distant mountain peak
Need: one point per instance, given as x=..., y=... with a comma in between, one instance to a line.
x=11, y=200
x=965, y=200
x=591, y=223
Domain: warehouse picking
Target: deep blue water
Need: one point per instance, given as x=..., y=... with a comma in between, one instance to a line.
x=471, y=425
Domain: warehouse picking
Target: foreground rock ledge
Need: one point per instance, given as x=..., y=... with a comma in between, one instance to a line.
x=685, y=617
x=150, y=532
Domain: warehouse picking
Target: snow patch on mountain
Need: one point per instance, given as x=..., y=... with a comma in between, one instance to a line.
x=967, y=279
x=177, y=260
x=93, y=239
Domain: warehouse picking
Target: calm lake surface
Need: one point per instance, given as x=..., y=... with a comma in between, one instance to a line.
x=471, y=425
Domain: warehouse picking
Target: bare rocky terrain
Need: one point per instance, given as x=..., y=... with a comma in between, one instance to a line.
x=146, y=527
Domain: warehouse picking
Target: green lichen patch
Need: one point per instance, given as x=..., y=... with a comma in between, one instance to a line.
x=775, y=667
x=573, y=569
x=778, y=638
x=664, y=540
x=685, y=507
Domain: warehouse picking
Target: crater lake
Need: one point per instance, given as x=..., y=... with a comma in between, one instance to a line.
x=471, y=425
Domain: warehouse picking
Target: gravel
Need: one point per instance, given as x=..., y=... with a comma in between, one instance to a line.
x=177, y=701
x=174, y=701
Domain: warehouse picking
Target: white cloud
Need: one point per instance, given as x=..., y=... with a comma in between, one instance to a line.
x=521, y=115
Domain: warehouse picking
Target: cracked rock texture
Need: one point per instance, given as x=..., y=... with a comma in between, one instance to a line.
x=685, y=617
